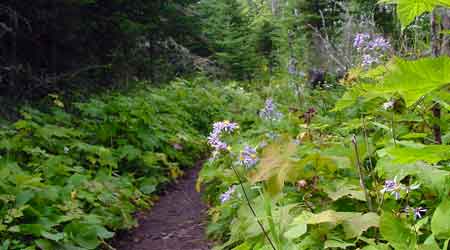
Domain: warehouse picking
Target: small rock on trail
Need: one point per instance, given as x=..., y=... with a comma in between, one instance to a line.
x=176, y=222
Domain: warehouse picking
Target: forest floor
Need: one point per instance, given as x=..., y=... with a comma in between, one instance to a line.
x=176, y=222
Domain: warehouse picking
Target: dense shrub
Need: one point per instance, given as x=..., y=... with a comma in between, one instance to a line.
x=69, y=180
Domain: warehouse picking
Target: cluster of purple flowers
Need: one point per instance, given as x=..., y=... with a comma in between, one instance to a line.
x=270, y=112
x=227, y=195
x=372, y=47
x=218, y=128
x=248, y=157
x=395, y=187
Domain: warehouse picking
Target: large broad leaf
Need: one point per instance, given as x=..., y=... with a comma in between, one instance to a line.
x=397, y=232
x=440, y=224
x=428, y=153
x=296, y=231
x=356, y=225
x=414, y=79
x=351, y=191
x=276, y=164
x=331, y=216
x=428, y=176
x=408, y=10
x=410, y=79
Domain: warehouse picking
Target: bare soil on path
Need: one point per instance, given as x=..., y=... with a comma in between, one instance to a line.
x=176, y=222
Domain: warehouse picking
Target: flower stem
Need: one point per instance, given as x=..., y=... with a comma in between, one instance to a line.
x=393, y=128
x=360, y=172
x=251, y=208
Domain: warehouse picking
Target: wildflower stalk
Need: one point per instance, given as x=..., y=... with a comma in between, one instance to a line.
x=360, y=172
x=393, y=128
x=380, y=207
x=252, y=209
x=366, y=139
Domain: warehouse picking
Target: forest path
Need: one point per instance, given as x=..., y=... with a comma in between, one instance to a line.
x=176, y=222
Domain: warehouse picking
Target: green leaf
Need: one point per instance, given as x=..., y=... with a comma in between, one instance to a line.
x=376, y=247
x=24, y=197
x=440, y=223
x=335, y=243
x=53, y=236
x=356, y=225
x=296, y=231
x=331, y=216
x=427, y=153
x=45, y=244
x=244, y=246
x=430, y=244
x=408, y=10
x=427, y=175
x=82, y=234
x=414, y=79
x=353, y=192
x=396, y=232
x=148, y=185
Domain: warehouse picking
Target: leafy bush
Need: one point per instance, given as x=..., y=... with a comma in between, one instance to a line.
x=69, y=180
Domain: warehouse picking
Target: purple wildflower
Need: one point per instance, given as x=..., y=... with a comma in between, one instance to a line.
x=248, y=157
x=368, y=60
x=227, y=195
x=372, y=48
x=218, y=128
x=393, y=186
x=269, y=112
x=360, y=40
x=417, y=212
x=379, y=43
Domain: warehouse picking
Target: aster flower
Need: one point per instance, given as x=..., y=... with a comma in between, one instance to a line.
x=371, y=47
x=218, y=129
x=270, y=112
x=368, y=60
x=379, y=43
x=227, y=195
x=360, y=40
x=417, y=212
x=248, y=157
x=393, y=186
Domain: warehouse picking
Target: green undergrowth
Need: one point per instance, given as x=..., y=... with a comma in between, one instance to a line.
x=353, y=170
x=70, y=180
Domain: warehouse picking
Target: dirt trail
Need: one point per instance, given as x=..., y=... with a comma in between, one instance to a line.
x=176, y=222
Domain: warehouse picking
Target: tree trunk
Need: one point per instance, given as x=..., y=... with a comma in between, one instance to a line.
x=13, y=55
x=275, y=7
x=435, y=50
x=446, y=27
x=54, y=38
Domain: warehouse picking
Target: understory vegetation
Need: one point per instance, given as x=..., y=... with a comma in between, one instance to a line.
x=69, y=180
x=359, y=164
x=325, y=124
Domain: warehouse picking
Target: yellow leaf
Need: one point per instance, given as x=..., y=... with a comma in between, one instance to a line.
x=275, y=166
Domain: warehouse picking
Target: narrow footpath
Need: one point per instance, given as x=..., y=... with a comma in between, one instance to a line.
x=176, y=222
